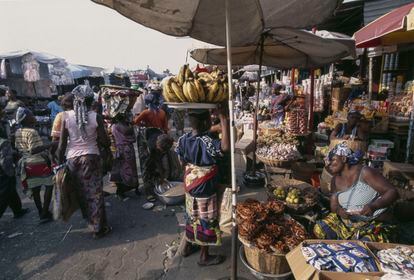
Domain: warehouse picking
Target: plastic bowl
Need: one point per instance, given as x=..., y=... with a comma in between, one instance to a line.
x=259, y=275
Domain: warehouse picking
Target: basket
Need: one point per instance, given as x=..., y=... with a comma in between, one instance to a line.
x=300, y=208
x=264, y=262
x=274, y=162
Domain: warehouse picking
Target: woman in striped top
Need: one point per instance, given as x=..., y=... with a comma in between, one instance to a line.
x=360, y=201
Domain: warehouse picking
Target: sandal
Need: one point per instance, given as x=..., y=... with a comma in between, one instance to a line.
x=106, y=230
x=151, y=198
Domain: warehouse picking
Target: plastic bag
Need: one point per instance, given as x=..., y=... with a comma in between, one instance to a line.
x=225, y=211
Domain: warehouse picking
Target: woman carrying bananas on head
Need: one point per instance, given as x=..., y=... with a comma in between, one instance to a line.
x=199, y=153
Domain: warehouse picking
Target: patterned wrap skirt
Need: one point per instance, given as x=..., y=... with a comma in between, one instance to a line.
x=87, y=170
x=334, y=227
x=124, y=168
x=202, y=224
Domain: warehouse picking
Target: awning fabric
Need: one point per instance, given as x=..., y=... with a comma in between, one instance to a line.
x=385, y=30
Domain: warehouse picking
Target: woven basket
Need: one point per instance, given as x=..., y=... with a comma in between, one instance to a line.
x=264, y=262
x=300, y=208
x=275, y=163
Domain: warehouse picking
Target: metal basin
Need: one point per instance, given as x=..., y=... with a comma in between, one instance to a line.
x=167, y=197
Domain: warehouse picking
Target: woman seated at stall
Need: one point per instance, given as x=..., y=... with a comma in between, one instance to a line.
x=350, y=130
x=360, y=201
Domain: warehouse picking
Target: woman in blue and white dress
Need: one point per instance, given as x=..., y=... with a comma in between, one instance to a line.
x=360, y=201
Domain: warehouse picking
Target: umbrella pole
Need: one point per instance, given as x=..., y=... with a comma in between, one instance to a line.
x=256, y=107
x=232, y=142
x=410, y=133
x=312, y=99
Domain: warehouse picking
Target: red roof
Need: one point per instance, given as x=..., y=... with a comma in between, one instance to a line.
x=370, y=35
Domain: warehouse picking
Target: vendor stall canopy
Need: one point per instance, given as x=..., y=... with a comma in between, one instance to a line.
x=395, y=27
x=205, y=19
x=285, y=48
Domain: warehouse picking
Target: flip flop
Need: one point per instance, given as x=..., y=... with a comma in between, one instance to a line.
x=213, y=260
x=151, y=198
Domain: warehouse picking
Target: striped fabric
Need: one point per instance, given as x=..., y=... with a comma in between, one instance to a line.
x=27, y=139
x=359, y=195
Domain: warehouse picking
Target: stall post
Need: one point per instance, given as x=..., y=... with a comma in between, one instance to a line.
x=410, y=132
x=370, y=65
x=256, y=107
x=312, y=97
x=233, y=275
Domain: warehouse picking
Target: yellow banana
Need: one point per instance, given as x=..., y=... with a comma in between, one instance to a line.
x=219, y=95
x=181, y=75
x=225, y=96
x=168, y=93
x=212, y=91
x=178, y=91
x=188, y=74
x=200, y=91
x=188, y=92
x=205, y=77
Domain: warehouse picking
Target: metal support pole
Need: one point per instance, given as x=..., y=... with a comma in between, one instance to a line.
x=410, y=133
x=232, y=142
x=256, y=107
x=370, y=64
x=312, y=99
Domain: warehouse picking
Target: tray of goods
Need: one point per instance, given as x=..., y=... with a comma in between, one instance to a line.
x=299, y=197
x=278, y=155
x=401, y=107
x=267, y=235
x=278, y=149
x=296, y=121
x=187, y=88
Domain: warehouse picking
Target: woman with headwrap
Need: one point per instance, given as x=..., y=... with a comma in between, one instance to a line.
x=360, y=201
x=82, y=136
x=199, y=153
x=350, y=130
x=124, y=170
x=153, y=116
x=34, y=166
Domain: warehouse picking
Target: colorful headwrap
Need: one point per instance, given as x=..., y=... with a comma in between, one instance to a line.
x=21, y=114
x=80, y=93
x=152, y=100
x=342, y=149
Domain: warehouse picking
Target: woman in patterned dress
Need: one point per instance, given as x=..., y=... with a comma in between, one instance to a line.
x=82, y=135
x=124, y=169
x=34, y=166
x=199, y=153
x=361, y=200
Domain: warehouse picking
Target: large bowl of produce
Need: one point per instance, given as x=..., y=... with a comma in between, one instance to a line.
x=278, y=149
x=170, y=193
x=298, y=196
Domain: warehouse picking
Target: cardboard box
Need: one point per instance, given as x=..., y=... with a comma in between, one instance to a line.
x=304, y=271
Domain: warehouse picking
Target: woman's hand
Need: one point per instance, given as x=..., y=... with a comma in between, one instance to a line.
x=368, y=211
x=342, y=213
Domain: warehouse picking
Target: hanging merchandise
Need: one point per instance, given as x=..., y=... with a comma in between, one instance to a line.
x=3, y=71
x=30, y=68
x=60, y=74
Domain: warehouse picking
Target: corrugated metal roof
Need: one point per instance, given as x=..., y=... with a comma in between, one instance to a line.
x=377, y=8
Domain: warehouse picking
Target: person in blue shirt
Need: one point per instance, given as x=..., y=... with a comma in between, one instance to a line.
x=54, y=108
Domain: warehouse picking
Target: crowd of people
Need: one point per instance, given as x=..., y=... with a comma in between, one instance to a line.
x=86, y=144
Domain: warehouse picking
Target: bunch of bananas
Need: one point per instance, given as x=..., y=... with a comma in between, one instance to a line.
x=205, y=87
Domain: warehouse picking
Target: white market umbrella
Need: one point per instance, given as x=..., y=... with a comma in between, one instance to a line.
x=283, y=48
x=226, y=23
